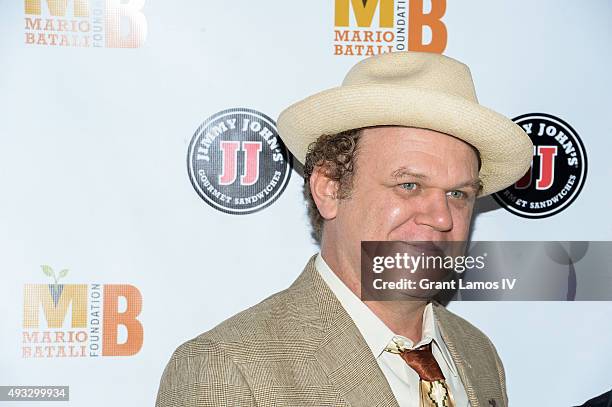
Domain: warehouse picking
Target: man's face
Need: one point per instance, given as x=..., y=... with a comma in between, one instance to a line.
x=409, y=184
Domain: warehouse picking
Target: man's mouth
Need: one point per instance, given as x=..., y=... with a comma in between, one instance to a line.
x=426, y=248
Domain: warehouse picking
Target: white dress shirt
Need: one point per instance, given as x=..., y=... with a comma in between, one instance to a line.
x=403, y=380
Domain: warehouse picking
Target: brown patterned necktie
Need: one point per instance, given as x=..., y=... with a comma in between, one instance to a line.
x=433, y=389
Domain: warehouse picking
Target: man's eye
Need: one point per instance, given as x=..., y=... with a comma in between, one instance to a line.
x=457, y=194
x=409, y=186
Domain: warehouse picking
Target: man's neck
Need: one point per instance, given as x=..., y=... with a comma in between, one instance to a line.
x=402, y=317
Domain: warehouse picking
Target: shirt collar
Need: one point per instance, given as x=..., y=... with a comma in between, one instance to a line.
x=377, y=335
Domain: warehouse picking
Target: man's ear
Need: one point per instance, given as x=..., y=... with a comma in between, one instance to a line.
x=324, y=191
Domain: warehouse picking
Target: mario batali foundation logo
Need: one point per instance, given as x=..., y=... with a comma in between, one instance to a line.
x=372, y=27
x=85, y=23
x=558, y=169
x=90, y=329
x=237, y=162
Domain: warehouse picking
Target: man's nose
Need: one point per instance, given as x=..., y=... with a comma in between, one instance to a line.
x=434, y=211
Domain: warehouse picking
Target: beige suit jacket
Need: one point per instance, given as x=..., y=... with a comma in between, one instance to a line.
x=299, y=347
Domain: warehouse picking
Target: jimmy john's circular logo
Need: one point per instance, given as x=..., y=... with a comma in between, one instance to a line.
x=558, y=169
x=237, y=162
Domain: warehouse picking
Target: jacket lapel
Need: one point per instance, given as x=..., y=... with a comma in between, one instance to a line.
x=342, y=352
x=460, y=348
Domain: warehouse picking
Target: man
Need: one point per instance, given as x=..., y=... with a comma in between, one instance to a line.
x=399, y=152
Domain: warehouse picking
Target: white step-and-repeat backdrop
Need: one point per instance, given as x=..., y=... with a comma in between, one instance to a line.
x=119, y=241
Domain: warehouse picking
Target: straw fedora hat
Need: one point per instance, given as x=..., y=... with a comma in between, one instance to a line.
x=415, y=89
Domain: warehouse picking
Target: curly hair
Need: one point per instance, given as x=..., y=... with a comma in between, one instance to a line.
x=336, y=154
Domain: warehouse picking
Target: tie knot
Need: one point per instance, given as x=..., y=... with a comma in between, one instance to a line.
x=423, y=362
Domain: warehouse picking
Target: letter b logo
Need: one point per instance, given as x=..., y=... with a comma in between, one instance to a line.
x=114, y=317
x=118, y=11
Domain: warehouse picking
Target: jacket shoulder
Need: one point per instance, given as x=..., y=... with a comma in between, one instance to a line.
x=284, y=316
x=199, y=373
x=219, y=362
x=204, y=371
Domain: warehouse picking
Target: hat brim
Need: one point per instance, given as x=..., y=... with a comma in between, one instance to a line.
x=505, y=149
